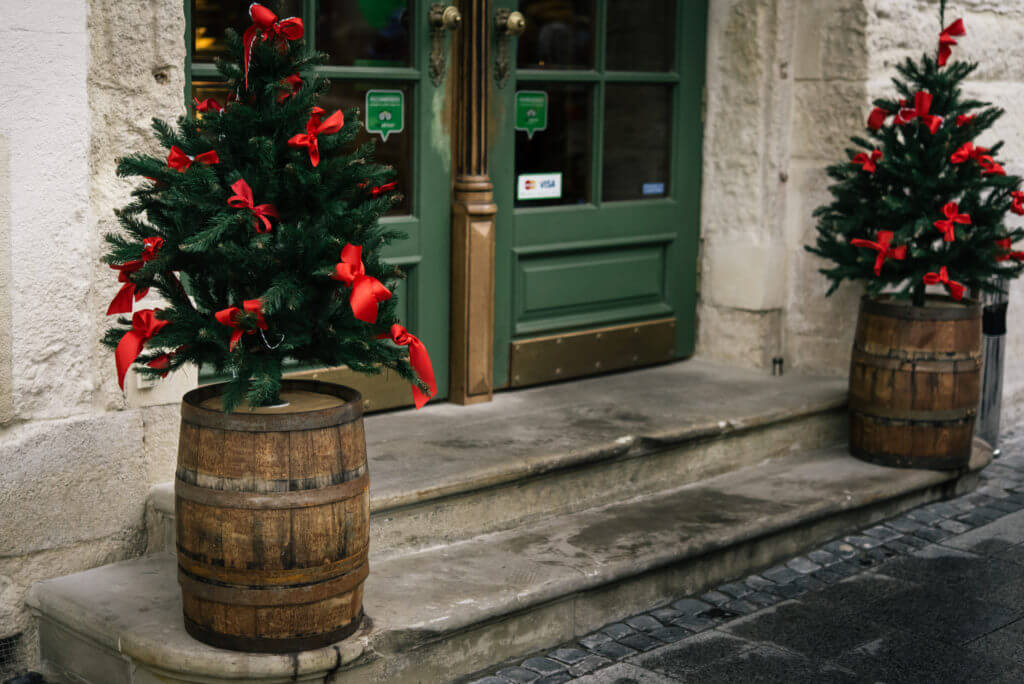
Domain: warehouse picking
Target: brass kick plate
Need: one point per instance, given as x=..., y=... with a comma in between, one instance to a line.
x=557, y=357
x=380, y=392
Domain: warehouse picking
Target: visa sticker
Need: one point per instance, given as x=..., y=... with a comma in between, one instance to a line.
x=539, y=186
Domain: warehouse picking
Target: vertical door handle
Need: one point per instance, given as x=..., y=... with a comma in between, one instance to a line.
x=442, y=19
x=507, y=23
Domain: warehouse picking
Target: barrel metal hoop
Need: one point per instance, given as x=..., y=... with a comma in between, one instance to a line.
x=947, y=310
x=234, y=642
x=869, y=410
x=303, y=498
x=247, y=578
x=272, y=596
x=957, y=363
x=193, y=413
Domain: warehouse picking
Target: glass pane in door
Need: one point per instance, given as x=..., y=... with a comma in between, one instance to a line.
x=559, y=34
x=212, y=18
x=641, y=35
x=563, y=147
x=637, y=141
x=365, y=32
x=397, y=149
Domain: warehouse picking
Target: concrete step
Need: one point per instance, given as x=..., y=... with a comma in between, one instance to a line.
x=439, y=613
x=449, y=473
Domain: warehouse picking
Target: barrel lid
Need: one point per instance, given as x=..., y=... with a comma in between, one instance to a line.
x=936, y=308
x=309, y=405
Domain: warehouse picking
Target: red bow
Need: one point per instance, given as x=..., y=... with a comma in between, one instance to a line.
x=952, y=216
x=883, y=249
x=379, y=190
x=420, y=361
x=207, y=105
x=229, y=317
x=990, y=167
x=946, y=41
x=163, y=361
x=315, y=127
x=867, y=163
x=967, y=151
x=265, y=21
x=145, y=325
x=877, y=118
x=1018, y=202
x=122, y=301
x=367, y=291
x=922, y=104
x=964, y=119
x=956, y=290
x=293, y=83
x=1006, y=251
x=242, y=199
x=181, y=161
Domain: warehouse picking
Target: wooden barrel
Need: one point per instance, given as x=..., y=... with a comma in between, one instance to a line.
x=915, y=382
x=272, y=509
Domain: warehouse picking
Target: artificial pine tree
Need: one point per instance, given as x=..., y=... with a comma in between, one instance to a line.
x=919, y=202
x=272, y=219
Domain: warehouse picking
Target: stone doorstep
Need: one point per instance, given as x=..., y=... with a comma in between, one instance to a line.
x=448, y=473
x=462, y=607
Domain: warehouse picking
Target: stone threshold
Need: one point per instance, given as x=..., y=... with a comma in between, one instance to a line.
x=440, y=613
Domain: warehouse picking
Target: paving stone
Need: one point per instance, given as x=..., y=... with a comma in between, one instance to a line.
x=809, y=583
x=780, y=574
x=735, y=589
x=518, y=675
x=822, y=557
x=555, y=678
x=882, y=532
x=588, y=665
x=670, y=634
x=490, y=680
x=901, y=546
x=996, y=492
x=803, y=565
x=975, y=518
x=640, y=642
x=694, y=653
x=716, y=598
x=569, y=656
x=624, y=673
x=955, y=526
x=1005, y=506
x=916, y=542
x=645, y=623
x=665, y=614
x=791, y=590
x=693, y=623
x=862, y=542
x=964, y=504
x=934, y=534
x=827, y=575
x=592, y=641
x=847, y=568
x=840, y=548
x=617, y=630
x=925, y=516
x=690, y=606
x=762, y=599
x=943, y=508
x=544, y=666
x=615, y=650
x=904, y=524
x=758, y=583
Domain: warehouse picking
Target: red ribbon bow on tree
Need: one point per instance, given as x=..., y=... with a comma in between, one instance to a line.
x=122, y=301
x=242, y=199
x=967, y=151
x=964, y=119
x=922, y=105
x=145, y=325
x=163, y=362
x=867, y=163
x=367, y=291
x=1006, y=251
x=946, y=40
x=883, y=248
x=293, y=84
x=990, y=167
x=315, y=127
x=229, y=317
x=264, y=21
x=181, y=161
x=956, y=290
x=1018, y=202
x=420, y=361
x=951, y=211
x=877, y=117
x=209, y=104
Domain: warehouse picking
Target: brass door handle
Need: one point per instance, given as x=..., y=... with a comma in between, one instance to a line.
x=441, y=19
x=507, y=23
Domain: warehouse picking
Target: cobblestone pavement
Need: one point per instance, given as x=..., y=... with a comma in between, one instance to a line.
x=935, y=595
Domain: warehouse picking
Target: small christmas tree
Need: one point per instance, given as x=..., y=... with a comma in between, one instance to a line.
x=919, y=202
x=273, y=220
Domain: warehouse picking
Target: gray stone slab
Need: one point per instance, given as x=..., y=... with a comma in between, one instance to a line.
x=1008, y=529
x=589, y=664
x=519, y=675
x=569, y=656
x=544, y=666
x=623, y=673
x=644, y=623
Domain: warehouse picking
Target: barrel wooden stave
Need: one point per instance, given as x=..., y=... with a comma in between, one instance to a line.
x=915, y=382
x=272, y=532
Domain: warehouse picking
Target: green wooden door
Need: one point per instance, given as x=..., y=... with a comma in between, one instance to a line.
x=379, y=52
x=599, y=189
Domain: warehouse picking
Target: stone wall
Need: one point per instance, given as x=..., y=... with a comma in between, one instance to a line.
x=78, y=457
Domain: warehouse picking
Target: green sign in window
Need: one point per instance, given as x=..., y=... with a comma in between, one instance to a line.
x=531, y=111
x=385, y=112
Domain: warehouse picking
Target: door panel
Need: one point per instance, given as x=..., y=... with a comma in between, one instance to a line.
x=614, y=255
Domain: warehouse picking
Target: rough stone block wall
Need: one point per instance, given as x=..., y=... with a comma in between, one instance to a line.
x=78, y=458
